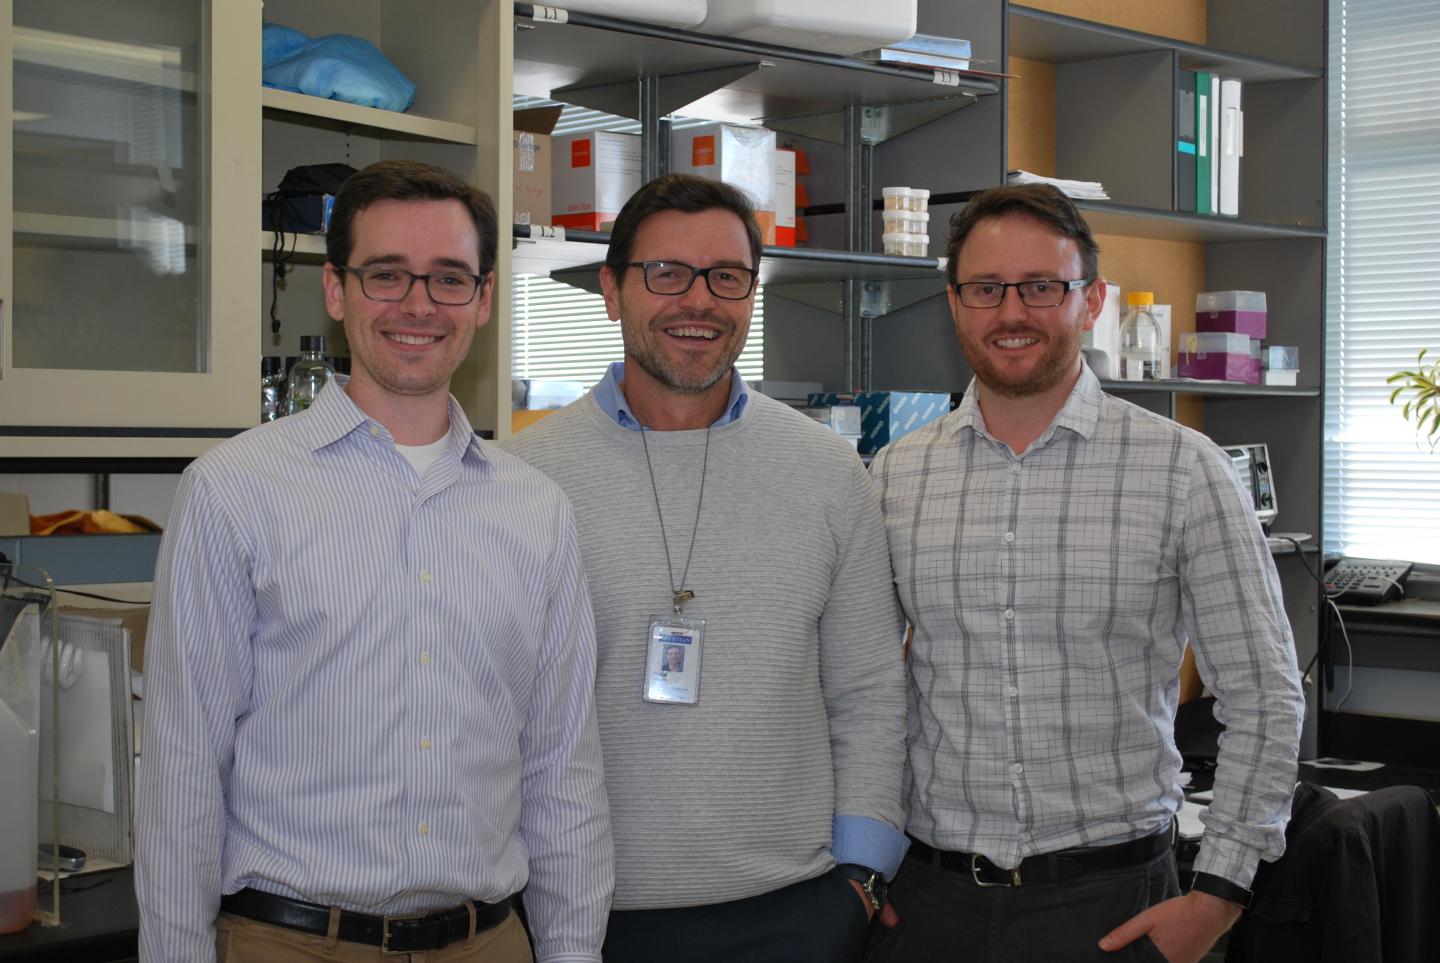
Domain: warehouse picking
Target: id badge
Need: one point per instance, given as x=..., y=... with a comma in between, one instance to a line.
x=672, y=660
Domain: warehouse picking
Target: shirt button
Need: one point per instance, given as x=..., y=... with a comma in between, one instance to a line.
x=425, y=576
x=424, y=828
x=1010, y=614
x=1009, y=538
x=424, y=658
x=425, y=744
x=374, y=430
x=1010, y=691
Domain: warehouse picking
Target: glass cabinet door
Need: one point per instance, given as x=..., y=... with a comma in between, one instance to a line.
x=125, y=234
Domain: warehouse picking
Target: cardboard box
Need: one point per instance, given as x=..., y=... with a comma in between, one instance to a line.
x=532, y=149
x=742, y=157
x=593, y=176
x=784, y=198
x=14, y=514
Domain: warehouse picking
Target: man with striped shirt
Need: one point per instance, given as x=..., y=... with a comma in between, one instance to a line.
x=371, y=657
x=1054, y=548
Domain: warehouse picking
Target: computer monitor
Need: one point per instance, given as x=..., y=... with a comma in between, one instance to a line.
x=1252, y=466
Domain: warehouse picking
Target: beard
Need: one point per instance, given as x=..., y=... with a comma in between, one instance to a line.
x=675, y=373
x=1055, y=364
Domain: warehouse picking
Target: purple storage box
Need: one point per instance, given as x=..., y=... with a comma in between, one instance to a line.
x=1220, y=366
x=1251, y=323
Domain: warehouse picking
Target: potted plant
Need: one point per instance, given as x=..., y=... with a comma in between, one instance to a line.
x=1422, y=386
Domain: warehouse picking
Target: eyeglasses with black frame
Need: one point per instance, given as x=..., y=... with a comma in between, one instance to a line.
x=1044, y=293
x=674, y=278
x=384, y=283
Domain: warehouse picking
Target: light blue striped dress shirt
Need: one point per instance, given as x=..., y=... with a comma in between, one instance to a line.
x=369, y=689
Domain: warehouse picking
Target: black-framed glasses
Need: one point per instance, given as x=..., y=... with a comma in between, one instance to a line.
x=673, y=277
x=383, y=283
x=1033, y=294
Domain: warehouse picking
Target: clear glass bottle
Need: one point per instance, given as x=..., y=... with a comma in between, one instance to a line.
x=272, y=387
x=308, y=375
x=1141, y=358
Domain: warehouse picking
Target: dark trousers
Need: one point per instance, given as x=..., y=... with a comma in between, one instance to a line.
x=822, y=920
x=945, y=916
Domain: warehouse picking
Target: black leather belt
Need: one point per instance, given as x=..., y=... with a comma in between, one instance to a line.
x=1048, y=867
x=404, y=933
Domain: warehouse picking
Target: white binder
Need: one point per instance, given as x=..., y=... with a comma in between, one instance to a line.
x=1232, y=147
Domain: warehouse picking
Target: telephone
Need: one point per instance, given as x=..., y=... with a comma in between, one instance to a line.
x=1366, y=581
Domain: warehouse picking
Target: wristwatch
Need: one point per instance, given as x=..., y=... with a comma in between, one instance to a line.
x=870, y=881
x=1223, y=888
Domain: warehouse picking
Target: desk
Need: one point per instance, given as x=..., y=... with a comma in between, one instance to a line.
x=101, y=923
x=1391, y=716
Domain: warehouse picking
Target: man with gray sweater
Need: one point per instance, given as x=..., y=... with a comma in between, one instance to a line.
x=722, y=523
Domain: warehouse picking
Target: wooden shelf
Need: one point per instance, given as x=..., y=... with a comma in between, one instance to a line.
x=384, y=121
x=1057, y=39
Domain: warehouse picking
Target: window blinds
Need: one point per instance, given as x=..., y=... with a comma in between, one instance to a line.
x=1382, y=481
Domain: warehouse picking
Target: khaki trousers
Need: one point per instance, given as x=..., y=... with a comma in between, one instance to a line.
x=240, y=940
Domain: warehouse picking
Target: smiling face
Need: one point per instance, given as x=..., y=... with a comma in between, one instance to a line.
x=1018, y=351
x=681, y=344
x=408, y=349
x=672, y=659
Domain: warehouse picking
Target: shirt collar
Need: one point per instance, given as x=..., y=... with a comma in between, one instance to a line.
x=611, y=399
x=334, y=416
x=1080, y=413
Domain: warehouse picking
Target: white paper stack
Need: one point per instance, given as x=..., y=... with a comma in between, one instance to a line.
x=1084, y=190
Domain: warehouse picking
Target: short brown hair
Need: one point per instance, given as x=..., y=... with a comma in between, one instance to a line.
x=1043, y=202
x=406, y=180
x=688, y=194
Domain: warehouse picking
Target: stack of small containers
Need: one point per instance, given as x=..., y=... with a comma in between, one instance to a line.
x=907, y=221
x=1226, y=345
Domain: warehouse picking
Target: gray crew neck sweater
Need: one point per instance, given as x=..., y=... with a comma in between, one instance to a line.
x=801, y=712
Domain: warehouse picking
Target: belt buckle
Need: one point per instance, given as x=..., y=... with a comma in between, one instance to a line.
x=975, y=874
x=385, y=922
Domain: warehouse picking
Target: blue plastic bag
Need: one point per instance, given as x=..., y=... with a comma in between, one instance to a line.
x=336, y=67
x=276, y=41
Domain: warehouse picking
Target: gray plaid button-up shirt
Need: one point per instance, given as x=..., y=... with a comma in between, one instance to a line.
x=1052, y=594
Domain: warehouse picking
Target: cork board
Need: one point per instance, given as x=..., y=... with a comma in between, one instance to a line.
x=1030, y=104
x=1177, y=19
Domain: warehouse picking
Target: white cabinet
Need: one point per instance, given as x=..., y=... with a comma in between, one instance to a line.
x=134, y=286
x=123, y=295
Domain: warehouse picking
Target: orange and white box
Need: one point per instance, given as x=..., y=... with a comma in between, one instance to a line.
x=742, y=157
x=784, y=198
x=594, y=175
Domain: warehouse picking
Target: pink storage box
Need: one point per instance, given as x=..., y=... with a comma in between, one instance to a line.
x=1251, y=323
x=1219, y=366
